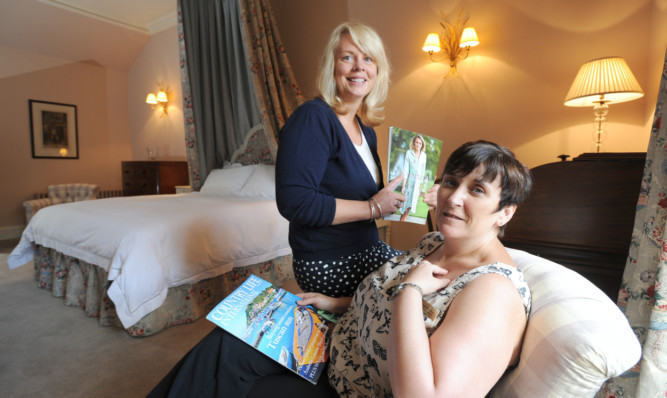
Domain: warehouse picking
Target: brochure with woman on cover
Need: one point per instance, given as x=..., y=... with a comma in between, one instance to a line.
x=415, y=156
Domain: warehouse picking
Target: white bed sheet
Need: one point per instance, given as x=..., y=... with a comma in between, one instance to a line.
x=150, y=243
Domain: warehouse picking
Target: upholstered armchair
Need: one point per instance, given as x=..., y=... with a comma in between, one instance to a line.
x=61, y=193
x=575, y=340
x=576, y=337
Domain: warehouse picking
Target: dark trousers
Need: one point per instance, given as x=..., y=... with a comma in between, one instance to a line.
x=221, y=365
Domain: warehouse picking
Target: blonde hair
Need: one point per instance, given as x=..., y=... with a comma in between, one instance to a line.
x=371, y=110
x=412, y=142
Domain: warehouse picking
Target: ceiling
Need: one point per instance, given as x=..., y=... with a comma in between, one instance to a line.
x=145, y=16
x=111, y=33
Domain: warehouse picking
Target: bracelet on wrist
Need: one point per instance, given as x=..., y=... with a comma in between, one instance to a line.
x=370, y=203
x=379, y=207
x=403, y=285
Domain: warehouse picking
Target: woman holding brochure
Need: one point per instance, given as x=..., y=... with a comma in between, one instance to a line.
x=329, y=181
x=419, y=325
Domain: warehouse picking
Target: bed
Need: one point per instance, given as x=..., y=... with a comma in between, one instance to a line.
x=149, y=262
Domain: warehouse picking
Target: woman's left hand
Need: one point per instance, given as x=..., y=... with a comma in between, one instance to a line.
x=336, y=305
x=389, y=200
x=428, y=276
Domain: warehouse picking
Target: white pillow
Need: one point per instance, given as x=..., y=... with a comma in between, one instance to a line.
x=227, y=181
x=261, y=184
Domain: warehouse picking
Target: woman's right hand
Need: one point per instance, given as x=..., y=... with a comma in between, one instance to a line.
x=428, y=276
x=389, y=200
x=336, y=305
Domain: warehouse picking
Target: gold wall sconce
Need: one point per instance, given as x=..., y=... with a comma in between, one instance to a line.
x=601, y=82
x=455, y=43
x=159, y=100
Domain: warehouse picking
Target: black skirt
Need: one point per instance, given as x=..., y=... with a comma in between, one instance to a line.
x=221, y=365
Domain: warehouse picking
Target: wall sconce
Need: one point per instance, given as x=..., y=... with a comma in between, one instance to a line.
x=159, y=100
x=601, y=82
x=453, y=44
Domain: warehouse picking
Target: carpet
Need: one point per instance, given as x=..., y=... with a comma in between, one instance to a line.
x=48, y=349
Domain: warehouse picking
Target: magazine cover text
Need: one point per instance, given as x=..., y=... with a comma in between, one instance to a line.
x=268, y=318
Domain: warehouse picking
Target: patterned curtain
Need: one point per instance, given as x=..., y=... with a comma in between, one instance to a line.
x=188, y=117
x=235, y=75
x=643, y=295
x=276, y=90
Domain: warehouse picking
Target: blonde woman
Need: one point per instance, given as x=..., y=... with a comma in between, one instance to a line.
x=329, y=182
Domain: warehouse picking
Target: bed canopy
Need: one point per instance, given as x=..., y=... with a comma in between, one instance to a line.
x=235, y=76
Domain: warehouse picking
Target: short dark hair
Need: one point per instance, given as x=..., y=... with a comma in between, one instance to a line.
x=515, y=178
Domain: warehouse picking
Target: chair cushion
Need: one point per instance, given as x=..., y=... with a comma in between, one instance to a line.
x=576, y=337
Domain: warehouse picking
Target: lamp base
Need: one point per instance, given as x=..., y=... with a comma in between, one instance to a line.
x=600, y=111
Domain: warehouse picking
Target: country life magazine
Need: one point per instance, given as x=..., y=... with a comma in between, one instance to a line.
x=267, y=318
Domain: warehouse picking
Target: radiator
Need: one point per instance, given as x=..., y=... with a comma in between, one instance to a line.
x=109, y=193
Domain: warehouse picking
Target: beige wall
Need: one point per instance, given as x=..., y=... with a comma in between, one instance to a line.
x=114, y=122
x=157, y=64
x=99, y=96
x=511, y=88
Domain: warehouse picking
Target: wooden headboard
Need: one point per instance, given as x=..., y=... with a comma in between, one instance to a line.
x=580, y=214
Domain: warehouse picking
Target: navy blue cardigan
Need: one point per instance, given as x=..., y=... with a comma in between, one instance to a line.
x=317, y=163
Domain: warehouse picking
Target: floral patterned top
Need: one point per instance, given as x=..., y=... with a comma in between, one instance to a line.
x=358, y=359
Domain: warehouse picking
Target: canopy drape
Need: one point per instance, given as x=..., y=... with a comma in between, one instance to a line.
x=235, y=75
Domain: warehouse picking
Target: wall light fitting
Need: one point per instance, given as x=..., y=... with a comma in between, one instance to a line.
x=455, y=40
x=159, y=100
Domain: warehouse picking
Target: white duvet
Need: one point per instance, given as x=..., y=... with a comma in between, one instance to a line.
x=150, y=243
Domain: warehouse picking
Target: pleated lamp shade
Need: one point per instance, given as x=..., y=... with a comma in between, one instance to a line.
x=605, y=79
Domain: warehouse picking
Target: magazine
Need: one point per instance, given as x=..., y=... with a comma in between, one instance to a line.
x=416, y=157
x=267, y=318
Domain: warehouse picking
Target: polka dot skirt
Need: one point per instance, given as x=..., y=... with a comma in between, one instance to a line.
x=339, y=278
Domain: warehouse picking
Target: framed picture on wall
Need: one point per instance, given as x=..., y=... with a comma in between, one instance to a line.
x=53, y=130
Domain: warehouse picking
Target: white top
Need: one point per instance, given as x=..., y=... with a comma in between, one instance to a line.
x=366, y=155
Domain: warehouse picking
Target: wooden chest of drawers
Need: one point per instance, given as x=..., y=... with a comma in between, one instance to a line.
x=153, y=177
